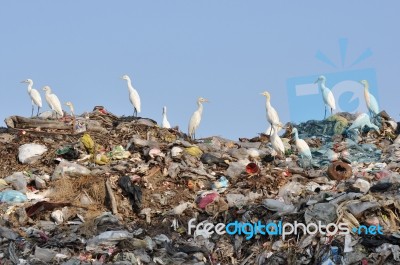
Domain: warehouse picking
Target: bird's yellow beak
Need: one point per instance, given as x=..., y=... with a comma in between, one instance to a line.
x=23, y=81
x=316, y=81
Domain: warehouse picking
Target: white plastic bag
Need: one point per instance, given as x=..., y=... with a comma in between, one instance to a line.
x=30, y=153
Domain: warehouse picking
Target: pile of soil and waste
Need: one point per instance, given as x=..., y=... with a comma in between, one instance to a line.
x=102, y=189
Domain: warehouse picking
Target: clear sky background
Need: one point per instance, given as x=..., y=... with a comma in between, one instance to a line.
x=175, y=51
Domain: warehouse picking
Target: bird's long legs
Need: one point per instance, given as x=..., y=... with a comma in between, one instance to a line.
x=33, y=107
x=325, y=113
x=37, y=114
x=309, y=163
x=135, y=113
x=331, y=111
x=311, y=166
x=304, y=165
x=302, y=161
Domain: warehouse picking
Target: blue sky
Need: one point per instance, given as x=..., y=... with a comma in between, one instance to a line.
x=175, y=51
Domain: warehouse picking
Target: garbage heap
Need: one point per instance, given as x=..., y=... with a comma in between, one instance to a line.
x=101, y=189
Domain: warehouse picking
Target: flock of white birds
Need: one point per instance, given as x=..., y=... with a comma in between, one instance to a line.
x=55, y=104
x=329, y=100
x=272, y=115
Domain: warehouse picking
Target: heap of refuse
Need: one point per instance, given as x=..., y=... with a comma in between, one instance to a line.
x=102, y=189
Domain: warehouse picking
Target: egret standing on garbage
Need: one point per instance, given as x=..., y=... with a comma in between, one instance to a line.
x=327, y=94
x=53, y=101
x=302, y=147
x=71, y=108
x=133, y=95
x=372, y=104
x=276, y=141
x=165, y=122
x=361, y=121
x=196, y=118
x=272, y=115
x=34, y=94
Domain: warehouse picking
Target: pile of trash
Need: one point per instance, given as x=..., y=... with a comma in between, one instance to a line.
x=102, y=189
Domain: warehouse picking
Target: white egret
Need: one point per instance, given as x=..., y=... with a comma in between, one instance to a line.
x=372, y=103
x=327, y=94
x=272, y=115
x=276, y=141
x=34, y=94
x=196, y=118
x=302, y=147
x=53, y=101
x=71, y=108
x=361, y=121
x=133, y=95
x=165, y=122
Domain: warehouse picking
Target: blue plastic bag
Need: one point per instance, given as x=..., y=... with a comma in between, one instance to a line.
x=11, y=196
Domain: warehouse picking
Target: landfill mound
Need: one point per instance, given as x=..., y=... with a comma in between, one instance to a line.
x=102, y=189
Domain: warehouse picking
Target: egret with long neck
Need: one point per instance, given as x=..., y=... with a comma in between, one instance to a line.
x=370, y=100
x=327, y=95
x=34, y=94
x=165, y=122
x=276, y=141
x=302, y=147
x=196, y=118
x=272, y=115
x=53, y=101
x=71, y=108
x=133, y=96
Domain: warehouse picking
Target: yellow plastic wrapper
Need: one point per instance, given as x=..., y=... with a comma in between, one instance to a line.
x=88, y=143
x=194, y=151
x=3, y=183
x=102, y=159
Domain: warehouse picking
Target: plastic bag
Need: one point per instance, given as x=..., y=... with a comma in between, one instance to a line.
x=12, y=196
x=119, y=152
x=68, y=153
x=30, y=153
x=66, y=168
